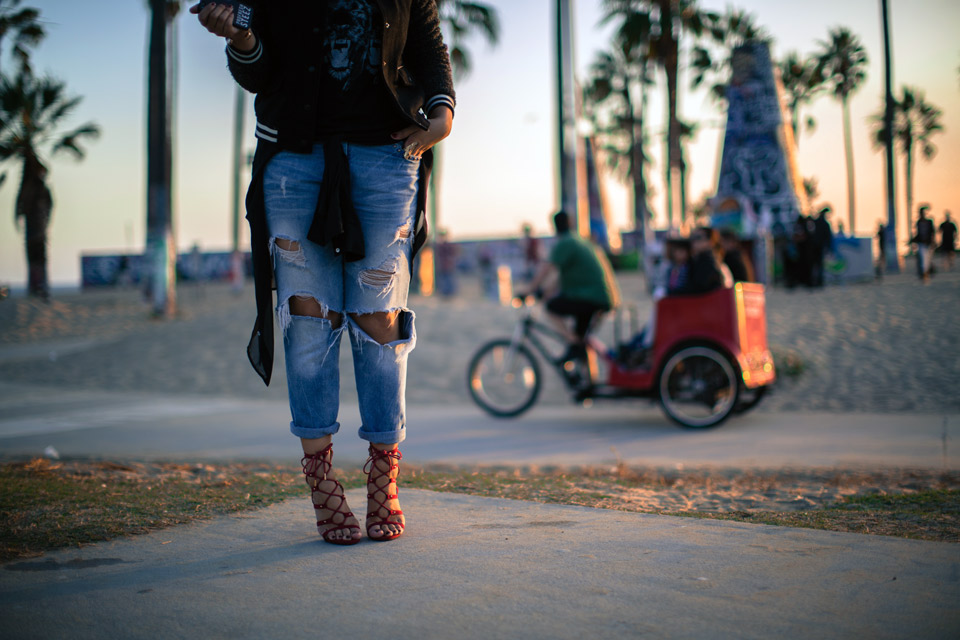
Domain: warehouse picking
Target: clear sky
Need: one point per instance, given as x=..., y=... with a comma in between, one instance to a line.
x=498, y=167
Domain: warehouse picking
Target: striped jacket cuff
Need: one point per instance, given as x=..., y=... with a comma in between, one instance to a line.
x=246, y=57
x=437, y=100
x=266, y=133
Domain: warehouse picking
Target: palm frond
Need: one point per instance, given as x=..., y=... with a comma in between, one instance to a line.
x=461, y=19
x=70, y=142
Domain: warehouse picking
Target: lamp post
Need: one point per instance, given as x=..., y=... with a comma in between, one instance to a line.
x=571, y=174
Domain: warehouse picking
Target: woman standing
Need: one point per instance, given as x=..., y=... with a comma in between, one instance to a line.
x=350, y=97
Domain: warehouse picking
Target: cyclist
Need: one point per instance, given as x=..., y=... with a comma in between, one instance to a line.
x=578, y=283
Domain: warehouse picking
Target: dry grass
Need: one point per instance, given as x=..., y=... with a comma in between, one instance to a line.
x=47, y=505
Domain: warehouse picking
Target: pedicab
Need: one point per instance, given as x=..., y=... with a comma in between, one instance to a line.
x=709, y=360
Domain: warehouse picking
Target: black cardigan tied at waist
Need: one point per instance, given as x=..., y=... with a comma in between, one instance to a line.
x=335, y=219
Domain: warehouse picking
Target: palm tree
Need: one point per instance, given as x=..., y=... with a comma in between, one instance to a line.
x=811, y=189
x=669, y=20
x=616, y=94
x=32, y=111
x=24, y=25
x=915, y=122
x=844, y=63
x=710, y=57
x=462, y=19
x=802, y=81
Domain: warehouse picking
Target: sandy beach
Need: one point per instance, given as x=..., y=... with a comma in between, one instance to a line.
x=882, y=347
x=886, y=346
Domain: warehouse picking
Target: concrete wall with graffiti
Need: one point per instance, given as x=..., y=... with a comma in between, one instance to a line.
x=130, y=269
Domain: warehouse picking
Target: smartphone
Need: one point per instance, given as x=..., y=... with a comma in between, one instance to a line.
x=242, y=13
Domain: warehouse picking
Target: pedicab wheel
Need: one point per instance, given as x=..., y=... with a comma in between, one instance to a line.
x=698, y=387
x=748, y=399
x=503, y=378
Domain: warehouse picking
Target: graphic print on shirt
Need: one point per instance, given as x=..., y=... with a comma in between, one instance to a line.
x=351, y=48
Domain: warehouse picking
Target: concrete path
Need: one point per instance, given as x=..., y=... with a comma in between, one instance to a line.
x=148, y=426
x=483, y=568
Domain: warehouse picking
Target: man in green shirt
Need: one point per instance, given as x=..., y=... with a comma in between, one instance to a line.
x=585, y=282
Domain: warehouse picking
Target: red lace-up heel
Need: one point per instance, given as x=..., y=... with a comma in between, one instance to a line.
x=382, y=480
x=316, y=468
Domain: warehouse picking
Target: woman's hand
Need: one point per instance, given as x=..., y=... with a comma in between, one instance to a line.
x=416, y=141
x=218, y=20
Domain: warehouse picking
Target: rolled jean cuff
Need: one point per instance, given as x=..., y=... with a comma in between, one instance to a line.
x=383, y=437
x=314, y=433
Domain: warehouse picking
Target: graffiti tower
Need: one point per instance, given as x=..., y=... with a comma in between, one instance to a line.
x=759, y=186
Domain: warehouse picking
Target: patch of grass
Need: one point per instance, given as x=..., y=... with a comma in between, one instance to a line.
x=788, y=362
x=48, y=505
x=926, y=515
x=906, y=510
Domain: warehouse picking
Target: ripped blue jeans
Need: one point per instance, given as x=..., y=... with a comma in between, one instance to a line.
x=384, y=192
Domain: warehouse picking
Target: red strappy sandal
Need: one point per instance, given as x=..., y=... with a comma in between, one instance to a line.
x=316, y=467
x=382, y=514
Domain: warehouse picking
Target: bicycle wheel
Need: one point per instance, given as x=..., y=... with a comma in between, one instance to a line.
x=504, y=378
x=698, y=387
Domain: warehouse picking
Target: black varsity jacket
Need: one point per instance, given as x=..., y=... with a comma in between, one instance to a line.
x=283, y=71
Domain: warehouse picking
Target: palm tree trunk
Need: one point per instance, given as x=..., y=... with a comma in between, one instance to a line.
x=34, y=205
x=161, y=268
x=890, y=233
x=671, y=65
x=428, y=269
x=635, y=144
x=641, y=215
x=795, y=122
x=908, y=177
x=673, y=139
x=848, y=149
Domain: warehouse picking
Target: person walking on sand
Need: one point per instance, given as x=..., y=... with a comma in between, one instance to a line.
x=924, y=238
x=531, y=253
x=822, y=245
x=948, y=241
x=446, y=256
x=350, y=97
x=881, y=249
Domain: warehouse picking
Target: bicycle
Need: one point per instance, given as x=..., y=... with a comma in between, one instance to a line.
x=709, y=360
x=504, y=375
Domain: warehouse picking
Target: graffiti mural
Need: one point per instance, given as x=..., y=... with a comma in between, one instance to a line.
x=754, y=167
x=130, y=269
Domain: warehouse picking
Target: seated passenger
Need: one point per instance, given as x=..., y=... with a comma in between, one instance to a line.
x=706, y=271
x=694, y=269
x=678, y=273
x=734, y=257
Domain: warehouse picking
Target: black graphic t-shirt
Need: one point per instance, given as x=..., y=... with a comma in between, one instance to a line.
x=354, y=103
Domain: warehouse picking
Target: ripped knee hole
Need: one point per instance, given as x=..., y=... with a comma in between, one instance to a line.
x=287, y=245
x=289, y=251
x=377, y=277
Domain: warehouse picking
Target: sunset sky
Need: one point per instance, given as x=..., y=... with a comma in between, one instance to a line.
x=498, y=167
